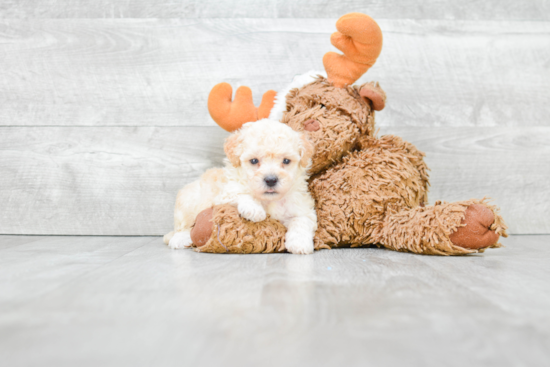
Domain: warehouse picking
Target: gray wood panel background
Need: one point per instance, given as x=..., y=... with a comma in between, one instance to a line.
x=102, y=118
x=425, y=9
x=158, y=72
x=123, y=180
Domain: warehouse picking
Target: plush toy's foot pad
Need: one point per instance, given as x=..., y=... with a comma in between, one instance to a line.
x=202, y=230
x=476, y=232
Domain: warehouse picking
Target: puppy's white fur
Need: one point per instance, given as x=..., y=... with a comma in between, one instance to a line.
x=281, y=153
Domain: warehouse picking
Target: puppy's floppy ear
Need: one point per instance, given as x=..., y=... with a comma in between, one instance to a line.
x=233, y=148
x=306, y=150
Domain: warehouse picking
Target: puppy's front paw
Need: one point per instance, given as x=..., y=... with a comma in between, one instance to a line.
x=299, y=243
x=251, y=211
x=180, y=240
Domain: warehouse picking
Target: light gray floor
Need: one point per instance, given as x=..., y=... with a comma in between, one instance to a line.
x=116, y=301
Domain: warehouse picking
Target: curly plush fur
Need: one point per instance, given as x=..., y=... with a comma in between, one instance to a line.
x=342, y=114
x=235, y=235
x=368, y=191
x=421, y=230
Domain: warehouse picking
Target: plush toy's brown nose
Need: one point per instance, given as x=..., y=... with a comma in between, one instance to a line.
x=312, y=125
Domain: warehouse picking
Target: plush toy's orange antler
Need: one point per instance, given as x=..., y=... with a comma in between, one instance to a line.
x=232, y=115
x=360, y=39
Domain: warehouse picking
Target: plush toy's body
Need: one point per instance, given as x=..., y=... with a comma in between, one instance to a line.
x=368, y=190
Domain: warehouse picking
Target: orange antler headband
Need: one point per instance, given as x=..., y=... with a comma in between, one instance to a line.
x=360, y=39
x=232, y=115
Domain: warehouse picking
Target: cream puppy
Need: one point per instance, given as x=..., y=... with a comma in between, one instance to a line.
x=264, y=173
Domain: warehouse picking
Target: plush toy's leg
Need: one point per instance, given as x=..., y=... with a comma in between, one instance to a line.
x=354, y=197
x=457, y=228
x=222, y=230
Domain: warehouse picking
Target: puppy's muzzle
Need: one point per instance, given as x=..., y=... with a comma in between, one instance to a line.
x=271, y=181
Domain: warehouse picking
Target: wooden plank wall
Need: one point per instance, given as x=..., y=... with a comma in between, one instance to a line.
x=103, y=104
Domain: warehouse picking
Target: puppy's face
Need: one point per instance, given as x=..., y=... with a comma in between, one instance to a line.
x=270, y=157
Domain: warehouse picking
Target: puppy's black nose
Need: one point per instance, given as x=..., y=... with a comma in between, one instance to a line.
x=271, y=181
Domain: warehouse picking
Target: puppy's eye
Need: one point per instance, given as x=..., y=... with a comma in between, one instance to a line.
x=254, y=161
x=322, y=106
x=286, y=161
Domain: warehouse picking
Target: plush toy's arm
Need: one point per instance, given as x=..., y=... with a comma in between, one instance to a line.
x=221, y=229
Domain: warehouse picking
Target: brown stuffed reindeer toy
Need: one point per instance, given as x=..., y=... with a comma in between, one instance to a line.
x=368, y=190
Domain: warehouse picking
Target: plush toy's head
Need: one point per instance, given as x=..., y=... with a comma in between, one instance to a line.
x=334, y=118
x=333, y=111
